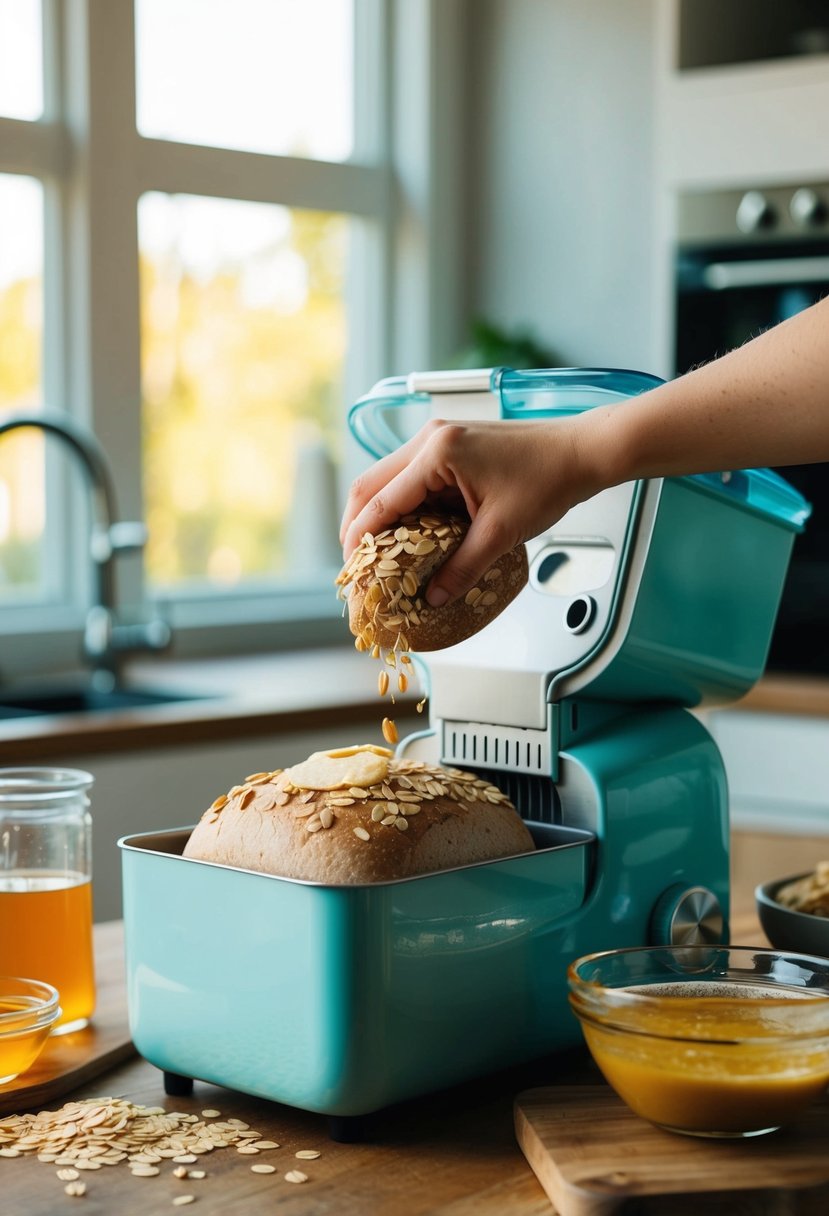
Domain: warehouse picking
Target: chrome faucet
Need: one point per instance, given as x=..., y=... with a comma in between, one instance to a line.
x=106, y=642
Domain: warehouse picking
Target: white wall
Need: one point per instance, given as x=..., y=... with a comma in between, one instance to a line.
x=560, y=194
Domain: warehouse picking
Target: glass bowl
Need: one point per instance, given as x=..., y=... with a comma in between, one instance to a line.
x=28, y=1011
x=707, y=1040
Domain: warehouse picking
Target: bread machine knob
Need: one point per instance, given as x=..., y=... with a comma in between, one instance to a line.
x=687, y=916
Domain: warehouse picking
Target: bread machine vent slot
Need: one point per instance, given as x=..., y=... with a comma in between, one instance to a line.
x=503, y=748
x=535, y=798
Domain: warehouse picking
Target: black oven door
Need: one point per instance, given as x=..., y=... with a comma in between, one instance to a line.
x=726, y=295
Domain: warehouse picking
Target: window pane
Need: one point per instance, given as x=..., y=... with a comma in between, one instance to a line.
x=21, y=61
x=270, y=76
x=22, y=496
x=243, y=343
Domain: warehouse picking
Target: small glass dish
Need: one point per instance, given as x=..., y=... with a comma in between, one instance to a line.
x=722, y=1041
x=28, y=1011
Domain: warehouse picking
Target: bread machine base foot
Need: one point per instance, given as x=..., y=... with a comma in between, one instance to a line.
x=352, y=1129
x=176, y=1086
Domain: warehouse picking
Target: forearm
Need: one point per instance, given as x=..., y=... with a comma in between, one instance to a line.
x=766, y=403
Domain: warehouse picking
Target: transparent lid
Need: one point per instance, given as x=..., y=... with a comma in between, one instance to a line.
x=397, y=408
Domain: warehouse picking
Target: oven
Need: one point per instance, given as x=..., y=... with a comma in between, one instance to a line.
x=745, y=260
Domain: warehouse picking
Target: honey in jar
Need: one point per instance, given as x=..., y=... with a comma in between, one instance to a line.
x=46, y=934
x=45, y=885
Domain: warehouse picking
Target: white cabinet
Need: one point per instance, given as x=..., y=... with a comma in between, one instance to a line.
x=778, y=777
x=758, y=125
x=778, y=770
x=736, y=103
x=149, y=791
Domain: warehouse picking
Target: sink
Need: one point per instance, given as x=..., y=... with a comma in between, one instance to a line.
x=36, y=702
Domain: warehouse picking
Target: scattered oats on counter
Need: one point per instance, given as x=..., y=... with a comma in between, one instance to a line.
x=106, y=1131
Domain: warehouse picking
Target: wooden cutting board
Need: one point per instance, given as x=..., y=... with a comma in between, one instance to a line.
x=594, y=1157
x=70, y=1059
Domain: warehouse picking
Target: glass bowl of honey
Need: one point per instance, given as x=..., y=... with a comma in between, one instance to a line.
x=720, y=1041
x=28, y=1011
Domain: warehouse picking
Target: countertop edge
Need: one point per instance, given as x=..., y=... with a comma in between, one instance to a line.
x=221, y=699
x=787, y=694
x=308, y=694
x=143, y=730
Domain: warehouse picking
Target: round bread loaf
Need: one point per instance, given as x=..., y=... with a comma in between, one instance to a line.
x=386, y=577
x=358, y=815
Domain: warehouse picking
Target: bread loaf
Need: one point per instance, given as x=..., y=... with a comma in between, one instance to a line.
x=358, y=815
x=386, y=577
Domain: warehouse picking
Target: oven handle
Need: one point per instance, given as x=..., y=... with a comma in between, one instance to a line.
x=723, y=276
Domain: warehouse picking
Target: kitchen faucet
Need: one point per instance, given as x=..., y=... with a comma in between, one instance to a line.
x=106, y=642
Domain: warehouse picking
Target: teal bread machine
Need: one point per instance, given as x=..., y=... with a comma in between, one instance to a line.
x=643, y=603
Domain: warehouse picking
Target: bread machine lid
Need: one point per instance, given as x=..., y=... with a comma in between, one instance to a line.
x=396, y=408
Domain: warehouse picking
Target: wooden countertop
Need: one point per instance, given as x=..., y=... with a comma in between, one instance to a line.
x=448, y=1154
x=788, y=694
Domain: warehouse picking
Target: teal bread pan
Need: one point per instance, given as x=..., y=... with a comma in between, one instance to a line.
x=344, y=1000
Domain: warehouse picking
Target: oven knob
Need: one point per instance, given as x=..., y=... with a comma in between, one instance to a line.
x=807, y=208
x=754, y=212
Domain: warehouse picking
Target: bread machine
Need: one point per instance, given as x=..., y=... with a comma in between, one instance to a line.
x=650, y=599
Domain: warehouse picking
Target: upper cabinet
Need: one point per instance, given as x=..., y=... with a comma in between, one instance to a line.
x=713, y=33
x=743, y=92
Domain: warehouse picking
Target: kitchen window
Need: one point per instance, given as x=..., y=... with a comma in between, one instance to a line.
x=197, y=245
x=22, y=464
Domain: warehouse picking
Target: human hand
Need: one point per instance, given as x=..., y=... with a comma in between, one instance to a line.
x=514, y=479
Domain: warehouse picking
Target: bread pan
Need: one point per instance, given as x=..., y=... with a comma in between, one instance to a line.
x=346, y=999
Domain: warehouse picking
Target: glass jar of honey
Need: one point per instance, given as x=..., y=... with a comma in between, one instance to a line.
x=46, y=885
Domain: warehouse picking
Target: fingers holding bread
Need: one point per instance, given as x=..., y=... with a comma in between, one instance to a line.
x=386, y=578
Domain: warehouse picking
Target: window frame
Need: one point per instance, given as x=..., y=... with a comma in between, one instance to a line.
x=402, y=180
